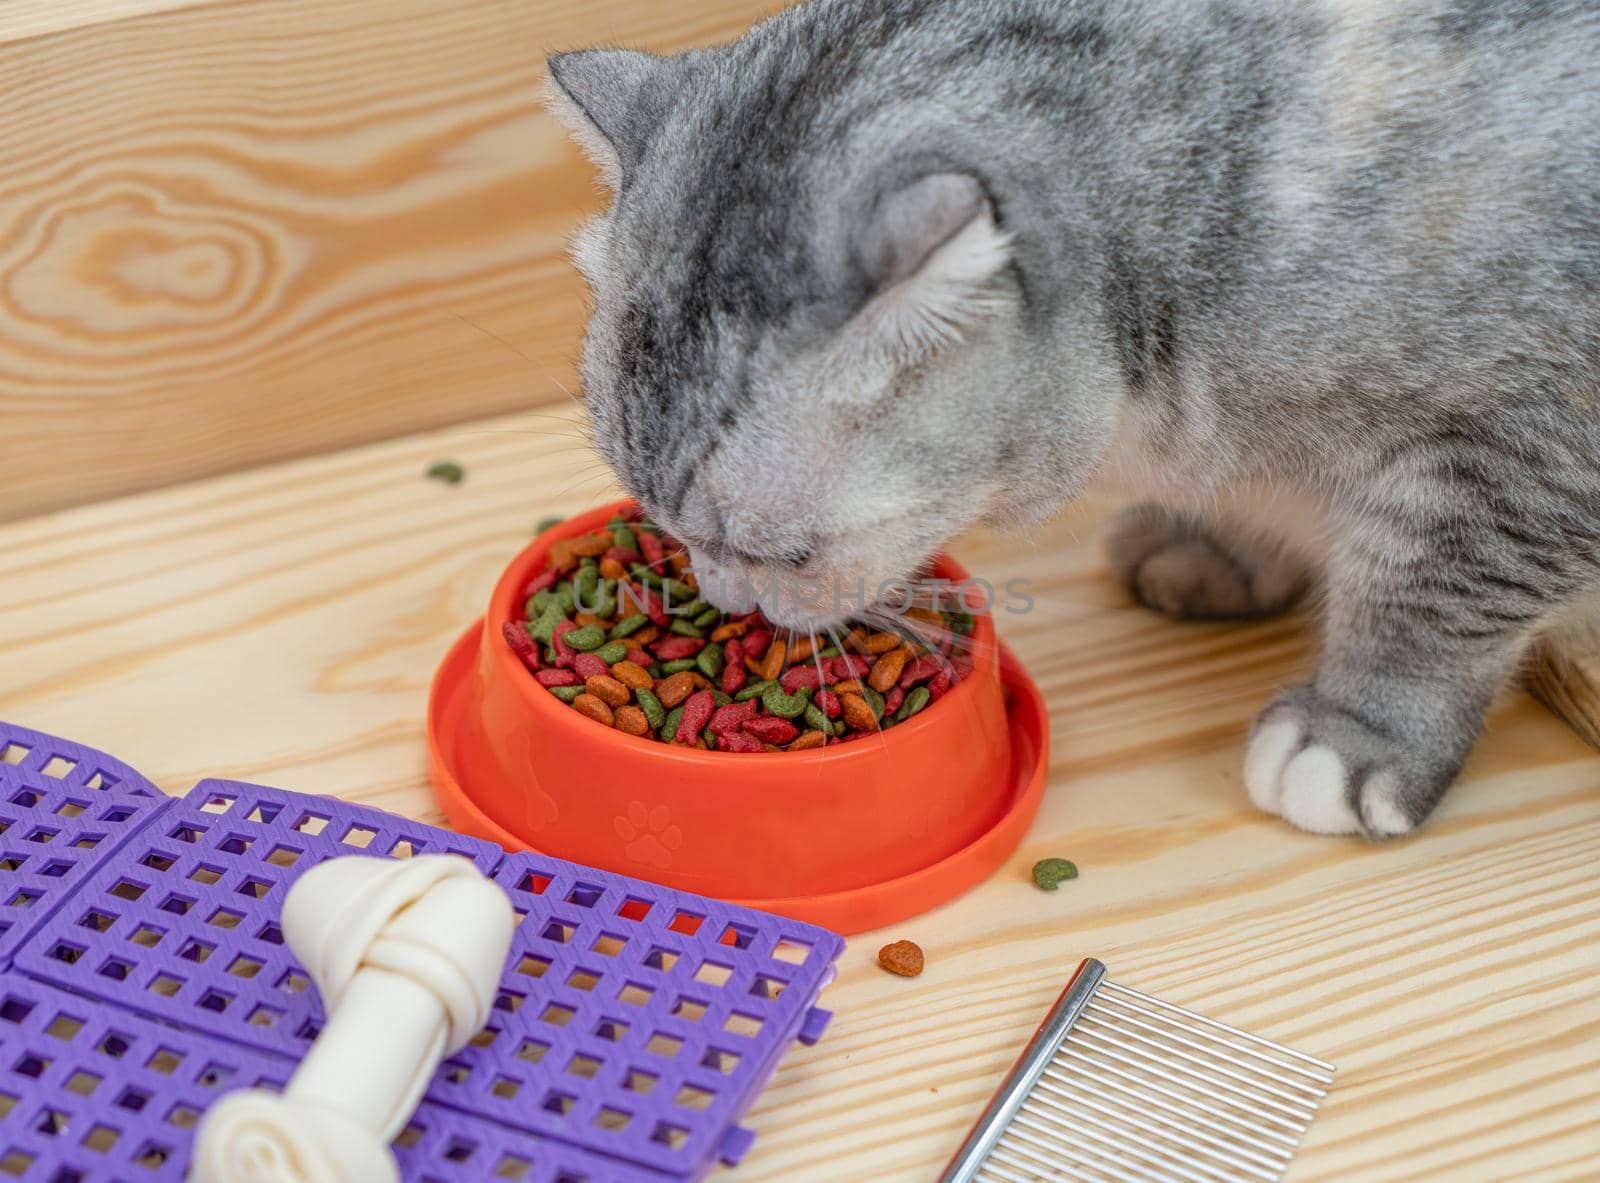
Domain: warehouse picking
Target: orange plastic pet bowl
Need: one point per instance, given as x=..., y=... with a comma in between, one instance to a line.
x=851, y=837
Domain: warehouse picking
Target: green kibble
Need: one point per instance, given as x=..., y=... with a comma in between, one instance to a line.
x=655, y=714
x=565, y=598
x=709, y=661
x=544, y=628
x=644, y=575
x=654, y=670
x=669, y=729
x=608, y=599
x=447, y=471
x=960, y=623
x=830, y=651
x=817, y=718
x=785, y=706
x=677, y=593
x=612, y=652
x=915, y=701
x=629, y=625
x=840, y=727
x=720, y=698
x=566, y=693
x=706, y=619
x=588, y=563
x=586, y=588
x=711, y=740
x=754, y=690
x=874, y=699
x=682, y=665
x=686, y=628
x=548, y=524
x=1051, y=873
x=589, y=637
x=624, y=538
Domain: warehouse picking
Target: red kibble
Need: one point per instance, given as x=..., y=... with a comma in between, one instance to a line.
x=650, y=547
x=892, y=701
x=676, y=648
x=640, y=657
x=524, y=646
x=564, y=652
x=655, y=608
x=552, y=678
x=800, y=677
x=920, y=670
x=733, y=673
x=771, y=729
x=540, y=583
x=625, y=555
x=730, y=718
x=939, y=685
x=845, y=667
x=960, y=667
x=588, y=665
x=756, y=643
x=697, y=710
x=829, y=702
x=739, y=742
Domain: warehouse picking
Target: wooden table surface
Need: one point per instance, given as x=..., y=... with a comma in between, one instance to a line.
x=282, y=625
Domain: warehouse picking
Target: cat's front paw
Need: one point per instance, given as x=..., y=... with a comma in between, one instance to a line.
x=1321, y=769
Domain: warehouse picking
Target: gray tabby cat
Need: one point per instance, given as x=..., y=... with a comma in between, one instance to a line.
x=1322, y=276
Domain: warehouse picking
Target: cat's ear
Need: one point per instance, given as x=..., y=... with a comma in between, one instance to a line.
x=609, y=98
x=935, y=260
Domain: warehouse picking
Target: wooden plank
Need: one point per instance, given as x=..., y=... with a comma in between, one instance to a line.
x=1566, y=678
x=282, y=625
x=240, y=231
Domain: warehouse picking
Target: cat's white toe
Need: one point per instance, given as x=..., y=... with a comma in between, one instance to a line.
x=1270, y=749
x=1380, y=808
x=1315, y=795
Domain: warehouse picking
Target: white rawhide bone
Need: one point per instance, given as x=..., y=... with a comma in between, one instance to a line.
x=407, y=957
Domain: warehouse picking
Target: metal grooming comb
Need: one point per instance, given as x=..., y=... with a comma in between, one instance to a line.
x=1119, y=1087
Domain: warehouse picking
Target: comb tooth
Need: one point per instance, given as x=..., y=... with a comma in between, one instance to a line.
x=1020, y=1141
x=1196, y=1141
x=1288, y=1134
x=1244, y=1144
x=1140, y=1155
x=1172, y=1059
x=1032, y=1173
x=1318, y=1068
x=1288, y=1082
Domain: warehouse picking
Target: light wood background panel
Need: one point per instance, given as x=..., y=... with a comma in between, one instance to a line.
x=282, y=625
x=233, y=232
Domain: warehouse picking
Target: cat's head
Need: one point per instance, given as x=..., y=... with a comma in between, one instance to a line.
x=811, y=354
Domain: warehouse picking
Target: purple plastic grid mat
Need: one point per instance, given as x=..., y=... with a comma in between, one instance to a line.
x=87, y=1093
x=64, y=810
x=184, y=925
x=634, y=1027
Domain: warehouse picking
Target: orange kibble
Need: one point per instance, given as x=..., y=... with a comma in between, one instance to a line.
x=591, y=546
x=608, y=690
x=887, y=669
x=853, y=686
x=801, y=650
x=633, y=676
x=679, y=561
x=672, y=691
x=903, y=958
x=755, y=667
x=811, y=739
x=645, y=636
x=631, y=721
x=585, y=619
x=726, y=632
x=561, y=556
x=773, y=665
x=589, y=705
x=857, y=713
x=611, y=569
x=701, y=682
x=880, y=643
x=689, y=581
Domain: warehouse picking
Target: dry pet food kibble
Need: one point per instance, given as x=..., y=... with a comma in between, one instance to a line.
x=448, y=471
x=615, y=628
x=902, y=957
x=1051, y=873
